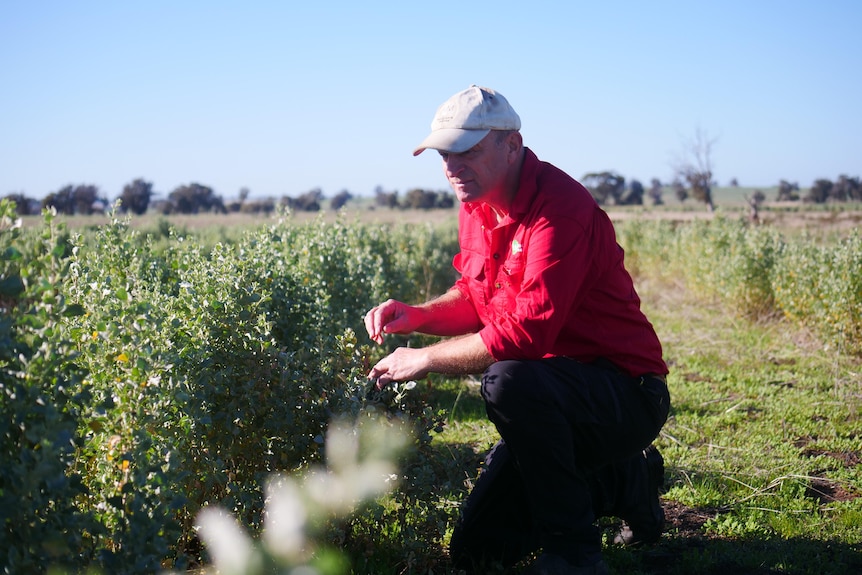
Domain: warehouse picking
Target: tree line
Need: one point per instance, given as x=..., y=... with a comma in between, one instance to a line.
x=607, y=187
x=138, y=197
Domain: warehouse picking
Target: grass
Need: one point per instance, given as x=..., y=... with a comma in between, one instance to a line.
x=763, y=449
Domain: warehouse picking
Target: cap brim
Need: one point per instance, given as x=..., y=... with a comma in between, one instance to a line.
x=453, y=140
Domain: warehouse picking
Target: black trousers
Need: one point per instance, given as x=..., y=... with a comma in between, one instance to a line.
x=571, y=451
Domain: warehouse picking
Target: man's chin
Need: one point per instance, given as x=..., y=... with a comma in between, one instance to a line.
x=463, y=193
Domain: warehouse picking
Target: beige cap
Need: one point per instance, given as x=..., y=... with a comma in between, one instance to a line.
x=467, y=117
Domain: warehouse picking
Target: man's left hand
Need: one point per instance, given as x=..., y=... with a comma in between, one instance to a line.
x=403, y=364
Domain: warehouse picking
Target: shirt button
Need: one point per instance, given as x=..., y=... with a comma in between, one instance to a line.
x=496, y=256
x=497, y=285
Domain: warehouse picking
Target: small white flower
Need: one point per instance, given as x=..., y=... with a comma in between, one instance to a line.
x=229, y=545
x=342, y=446
x=284, y=523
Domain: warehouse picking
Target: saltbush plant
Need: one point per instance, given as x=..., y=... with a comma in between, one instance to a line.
x=820, y=287
x=147, y=382
x=42, y=393
x=757, y=272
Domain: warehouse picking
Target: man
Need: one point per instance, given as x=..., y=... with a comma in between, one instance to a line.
x=573, y=376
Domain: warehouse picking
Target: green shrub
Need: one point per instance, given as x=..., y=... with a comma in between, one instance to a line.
x=757, y=272
x=42, y=393
x=820, y=287
x=179, y=374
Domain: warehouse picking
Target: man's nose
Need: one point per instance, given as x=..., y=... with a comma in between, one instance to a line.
x=452, y=165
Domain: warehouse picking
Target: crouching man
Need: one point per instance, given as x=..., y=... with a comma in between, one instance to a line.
x=573, y=375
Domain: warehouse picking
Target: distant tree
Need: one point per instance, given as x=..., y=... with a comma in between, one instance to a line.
x=237, y=205
x=81, y=199
x=787, y=192
x=445, y=200
x=263, y=206
x=307, y=202
x=847, y=189
x=606, y=187
x=24, y=206
x=61, y=200
x=754, y=202
x=163, y=206
x=695, y=168
x=86, y=198
x=656, y=190
x=340, y=200
x=136, y=196
x=635, y=194
x=819, y=192
x=194, y=198
x=679, y=191
x=734, y=183
x=420, y=199
x=385, y=199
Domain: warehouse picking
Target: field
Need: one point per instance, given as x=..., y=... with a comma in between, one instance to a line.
x=729, y=201
x=205, y=353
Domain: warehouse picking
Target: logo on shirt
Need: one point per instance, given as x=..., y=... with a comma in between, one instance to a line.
x=516, y=247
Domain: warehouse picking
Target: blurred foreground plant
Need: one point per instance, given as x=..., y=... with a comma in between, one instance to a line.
x=359, y=467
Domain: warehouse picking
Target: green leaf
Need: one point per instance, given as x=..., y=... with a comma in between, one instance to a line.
x=74, y=310
x=11, y=286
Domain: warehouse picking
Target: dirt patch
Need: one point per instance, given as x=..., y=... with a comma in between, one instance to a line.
x=826, y=491
x=847, y=458
x=685, y=522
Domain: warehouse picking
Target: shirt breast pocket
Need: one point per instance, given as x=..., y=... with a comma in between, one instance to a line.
x=512, y=272
x=472, y=266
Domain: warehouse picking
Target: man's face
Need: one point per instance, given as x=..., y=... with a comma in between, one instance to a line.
x=479, y=173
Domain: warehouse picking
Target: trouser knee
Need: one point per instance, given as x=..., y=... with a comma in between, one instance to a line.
x=508, y=386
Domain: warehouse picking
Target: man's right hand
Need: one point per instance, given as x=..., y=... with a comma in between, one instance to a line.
x=390, y=317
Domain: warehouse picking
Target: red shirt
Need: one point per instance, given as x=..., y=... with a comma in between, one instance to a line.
x=549, y=280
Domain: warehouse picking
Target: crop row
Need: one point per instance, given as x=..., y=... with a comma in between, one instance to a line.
x=758, y=272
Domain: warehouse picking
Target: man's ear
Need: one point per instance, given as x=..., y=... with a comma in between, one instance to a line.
x=514, y=144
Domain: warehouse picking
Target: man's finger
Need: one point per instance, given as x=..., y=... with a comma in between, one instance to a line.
x=371, y=326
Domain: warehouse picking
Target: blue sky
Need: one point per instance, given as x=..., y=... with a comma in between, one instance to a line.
x=282, y=97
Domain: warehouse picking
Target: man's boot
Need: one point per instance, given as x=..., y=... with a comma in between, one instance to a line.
x=643, y=523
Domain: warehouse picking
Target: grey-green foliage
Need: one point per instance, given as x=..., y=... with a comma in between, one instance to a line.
x=757, y=271
x=42, y=393
x=145, y=378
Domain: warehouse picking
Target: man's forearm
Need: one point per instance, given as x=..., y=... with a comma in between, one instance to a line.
x=448, y=315
x=459, y=356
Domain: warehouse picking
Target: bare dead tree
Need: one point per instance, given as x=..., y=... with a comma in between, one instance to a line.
x=754, y=202
x=695, y=167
